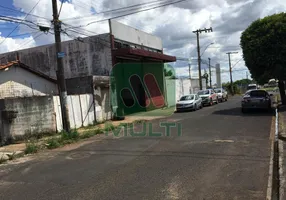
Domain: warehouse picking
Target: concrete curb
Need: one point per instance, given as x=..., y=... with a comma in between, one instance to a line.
x=281, y=169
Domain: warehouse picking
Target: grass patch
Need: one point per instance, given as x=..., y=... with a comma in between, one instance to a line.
x=53, y=143
x=139, y=121
x=108, y=127
x=92, y=133
x=32, y=147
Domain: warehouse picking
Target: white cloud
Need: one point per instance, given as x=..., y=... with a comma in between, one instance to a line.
x=174, y=24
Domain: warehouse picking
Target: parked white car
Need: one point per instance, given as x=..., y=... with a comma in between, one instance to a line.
x=221, y=94
x=189, y=102
x=209, y=97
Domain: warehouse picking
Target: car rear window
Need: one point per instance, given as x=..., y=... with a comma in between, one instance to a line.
x=257, y=93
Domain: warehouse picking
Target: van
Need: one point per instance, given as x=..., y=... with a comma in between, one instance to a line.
x=252, y=87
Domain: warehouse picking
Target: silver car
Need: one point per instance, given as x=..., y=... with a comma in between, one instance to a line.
x=189, y=102
x=256, y=99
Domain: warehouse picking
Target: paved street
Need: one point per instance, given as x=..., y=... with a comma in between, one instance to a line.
x=221, y=154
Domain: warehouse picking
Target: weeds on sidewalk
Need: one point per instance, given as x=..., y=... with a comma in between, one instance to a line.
x=32, y=147
x=91, y=133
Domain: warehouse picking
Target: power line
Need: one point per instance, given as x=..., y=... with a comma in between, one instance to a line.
x=14, y=10
x=19, y=24
x=102, y=20
x=120, y=9
x=27, y=42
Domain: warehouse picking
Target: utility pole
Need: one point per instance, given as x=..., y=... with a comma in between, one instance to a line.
x=199, y=54
x=246, y=75
x=210, y=72
x=189, y=71
x=230, y=71
x=60, y=69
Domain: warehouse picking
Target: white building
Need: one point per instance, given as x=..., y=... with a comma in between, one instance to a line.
x=18, y=80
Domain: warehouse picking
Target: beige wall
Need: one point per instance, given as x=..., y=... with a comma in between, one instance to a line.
x=18, y=82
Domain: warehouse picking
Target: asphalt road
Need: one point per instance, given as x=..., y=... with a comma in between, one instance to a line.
x=221, y=154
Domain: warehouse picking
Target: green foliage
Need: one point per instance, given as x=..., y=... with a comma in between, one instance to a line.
x=32, y=147
x=53, y=143
x=169, y=70
x=243, y=82
x=109, y=127
x=92, y=133
x=264, y=48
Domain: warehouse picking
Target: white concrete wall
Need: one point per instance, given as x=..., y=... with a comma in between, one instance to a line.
x=81, y=110
x=132, y=35
x=18, y=82
x=35, y=115
x=180, y=87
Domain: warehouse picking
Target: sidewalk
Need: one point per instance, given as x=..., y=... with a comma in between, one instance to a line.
x=282, y=151
x=12, y=151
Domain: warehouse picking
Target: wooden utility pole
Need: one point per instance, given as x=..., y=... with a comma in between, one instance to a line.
x=210, y=72
x=230, y=72
x=60, y=69
x=199, y=54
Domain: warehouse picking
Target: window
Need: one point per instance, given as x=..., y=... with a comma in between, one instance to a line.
x=203, y=92
x=258, y=93
x=186, y=98
x=197, y=97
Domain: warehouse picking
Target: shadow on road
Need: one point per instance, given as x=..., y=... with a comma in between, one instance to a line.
x=237, y=112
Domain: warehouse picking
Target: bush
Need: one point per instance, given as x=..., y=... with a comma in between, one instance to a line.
x=53, y=143
x=89, y=134
x=73, y=135
x=32, y=147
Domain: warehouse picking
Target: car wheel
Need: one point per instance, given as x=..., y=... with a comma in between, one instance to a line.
x=216, y=102
x=195, y=107
x=201, y=106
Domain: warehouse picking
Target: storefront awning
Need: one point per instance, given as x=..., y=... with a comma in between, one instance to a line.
x=133, y=53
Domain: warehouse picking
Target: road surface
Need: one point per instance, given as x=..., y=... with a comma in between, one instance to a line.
x=221, y=154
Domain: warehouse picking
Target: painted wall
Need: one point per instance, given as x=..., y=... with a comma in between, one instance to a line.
x=83, y=111
x=90, y=57
x=135, y=36
x=35, y=115
x=18, y=82
x=176, y=88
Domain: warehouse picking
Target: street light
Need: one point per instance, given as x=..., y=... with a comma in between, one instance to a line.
x=206, y=48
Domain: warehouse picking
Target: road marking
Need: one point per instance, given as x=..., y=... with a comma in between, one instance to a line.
x=229, y=141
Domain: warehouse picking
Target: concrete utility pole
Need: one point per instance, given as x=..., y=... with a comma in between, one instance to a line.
x=199, y=54
x=230, y=71
x=60, y=69
x=210, y=72
x=189, y=71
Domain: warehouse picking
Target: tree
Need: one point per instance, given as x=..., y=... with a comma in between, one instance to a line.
x=264, y=48
x=169, y=70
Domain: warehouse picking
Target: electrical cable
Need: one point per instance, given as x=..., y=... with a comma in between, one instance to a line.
x=102, y=20
x=23, y=12
x=19, y=24
x=118, y=9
